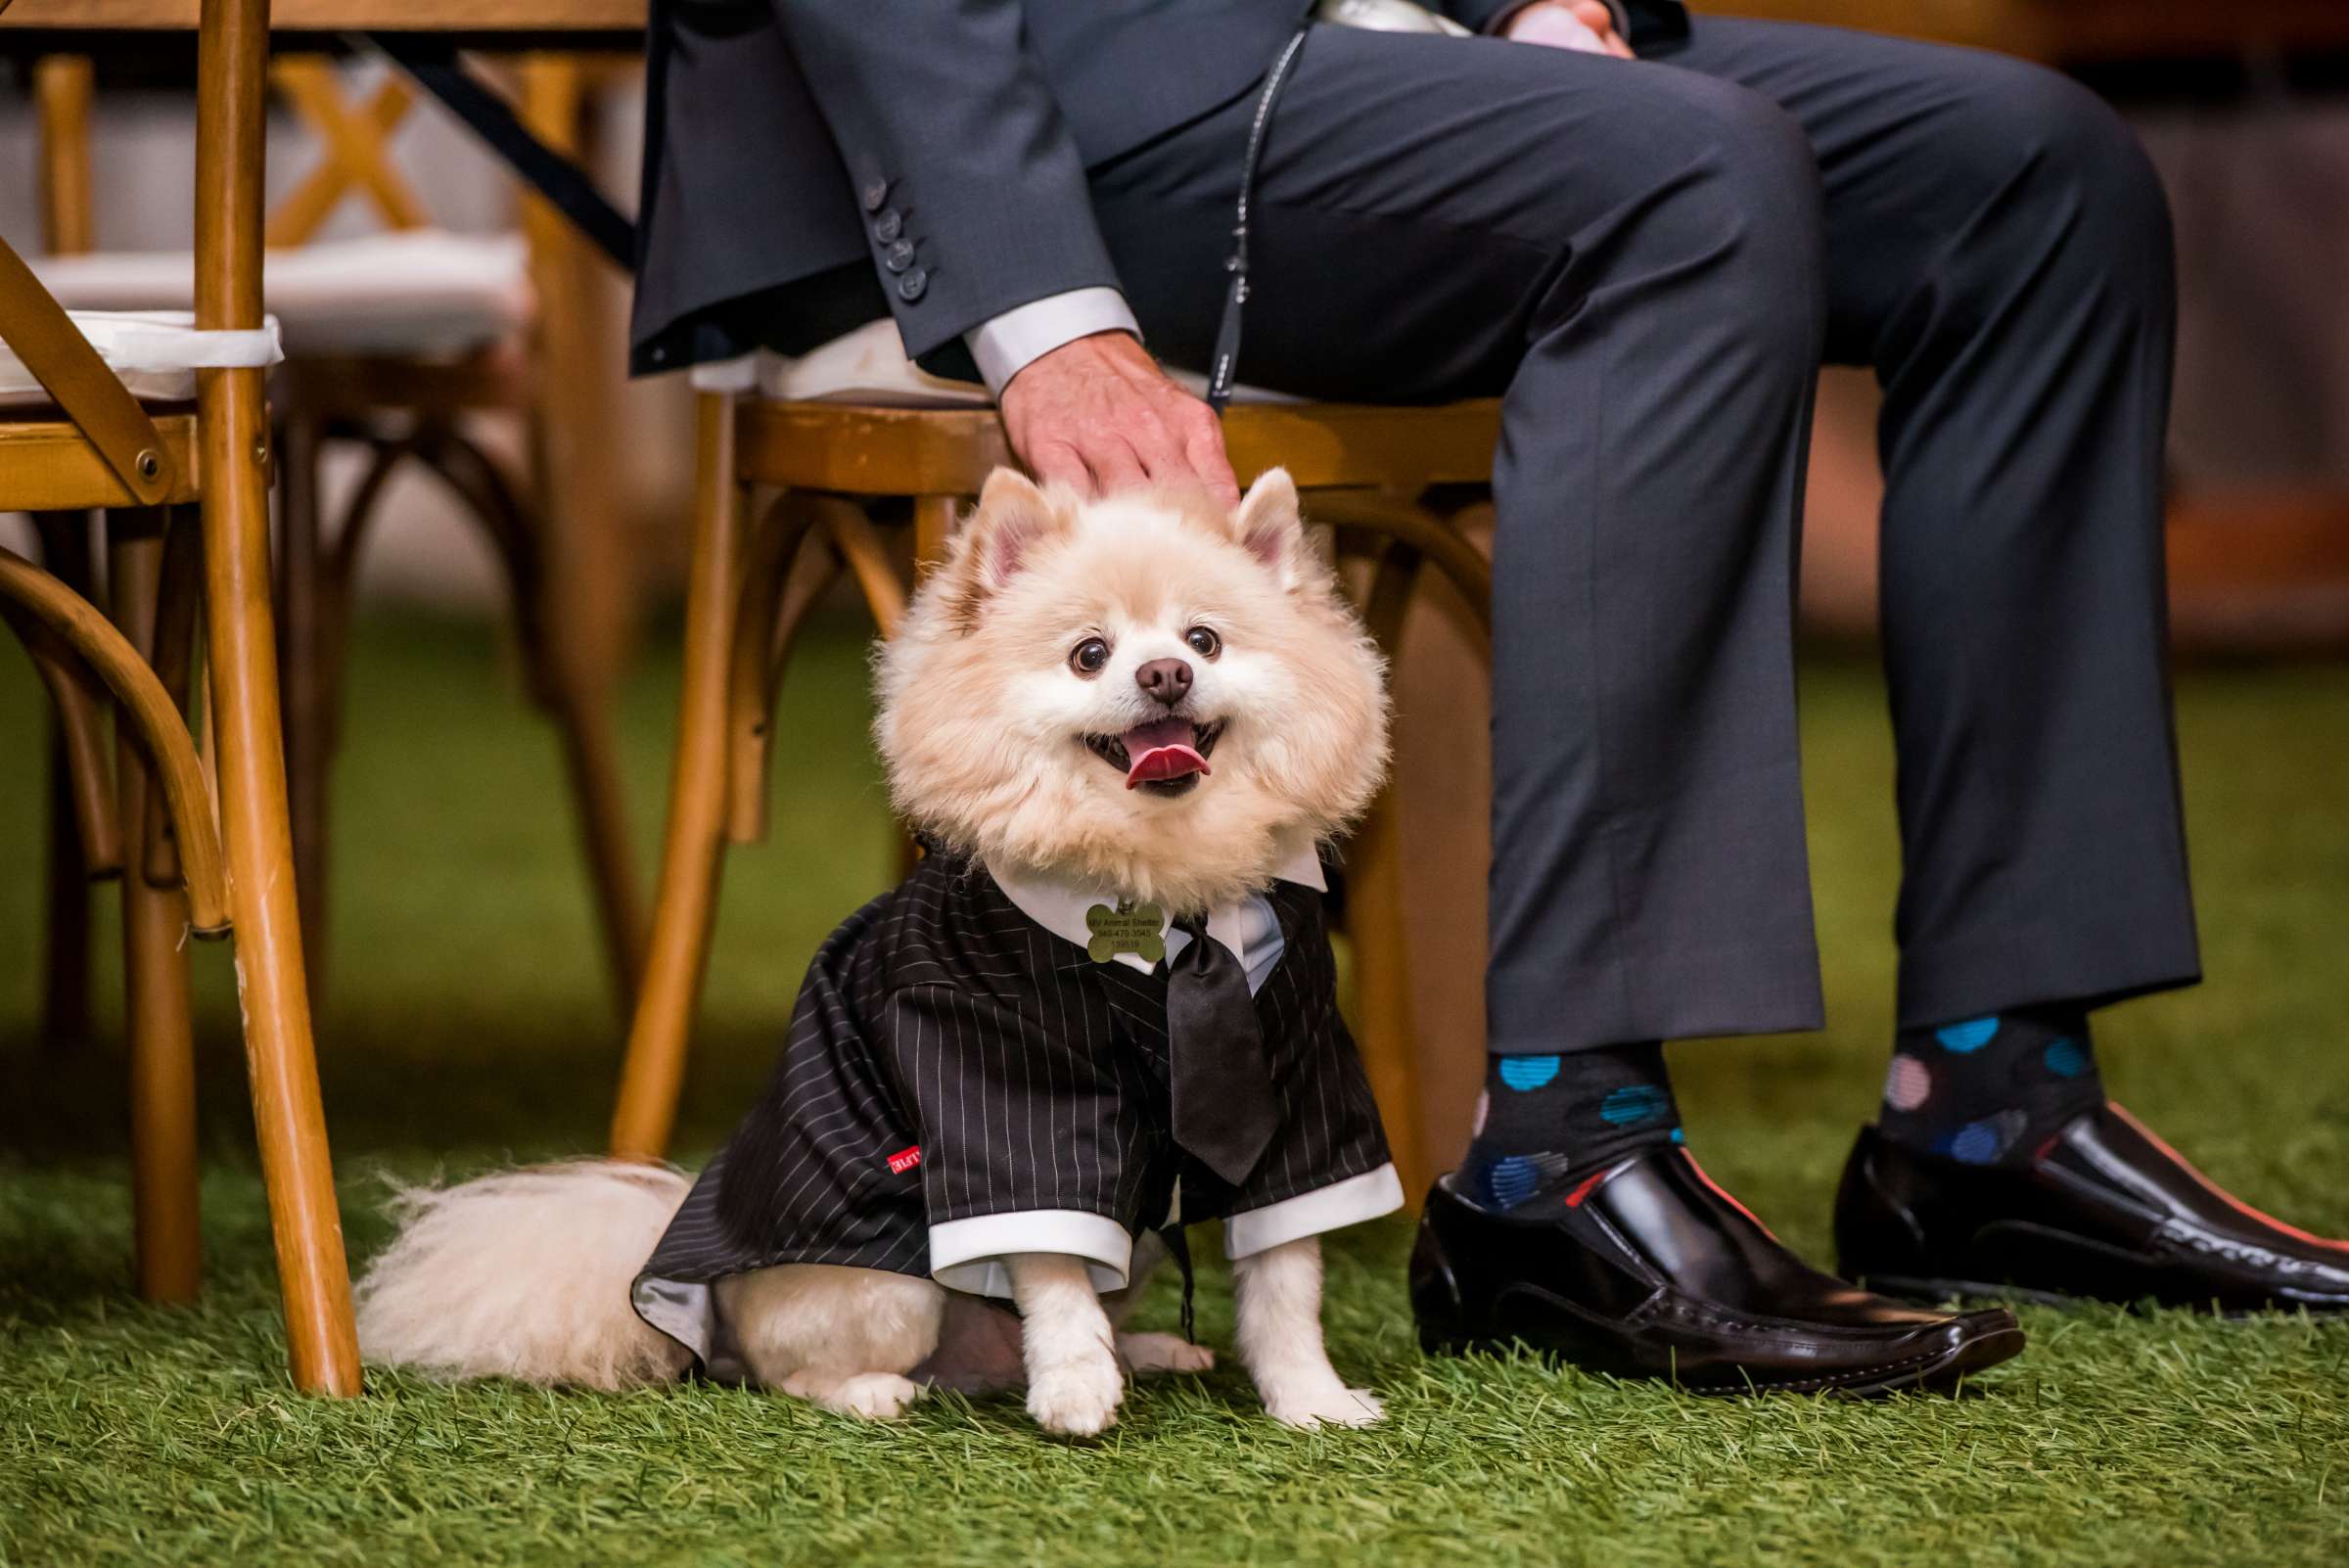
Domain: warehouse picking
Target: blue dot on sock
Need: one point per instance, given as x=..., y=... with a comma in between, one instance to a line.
x=2065, y=1058
x=1511, y=1179
x=1968, y=1037
x=1679, y=1135
x=1635, y=1106
x=1527, y=1072
x=1975, y=1143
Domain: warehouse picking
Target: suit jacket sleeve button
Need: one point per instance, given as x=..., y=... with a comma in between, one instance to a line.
x=889, y=225
x=875, y=193
x=899, y=257
x=911, y=285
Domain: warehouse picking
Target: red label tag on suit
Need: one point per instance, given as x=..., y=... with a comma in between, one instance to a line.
x=904, y=1160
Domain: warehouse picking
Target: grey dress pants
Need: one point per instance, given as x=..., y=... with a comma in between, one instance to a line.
x=1648, y=261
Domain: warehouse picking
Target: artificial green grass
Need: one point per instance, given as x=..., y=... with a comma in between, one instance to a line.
x=466, y=1023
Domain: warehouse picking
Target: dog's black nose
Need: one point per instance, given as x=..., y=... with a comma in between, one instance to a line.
x=1167, y=679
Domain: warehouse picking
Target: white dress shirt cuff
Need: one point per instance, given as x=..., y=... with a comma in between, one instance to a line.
x=1006, y=345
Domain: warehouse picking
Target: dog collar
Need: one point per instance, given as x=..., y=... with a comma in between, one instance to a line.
x=1060, y=904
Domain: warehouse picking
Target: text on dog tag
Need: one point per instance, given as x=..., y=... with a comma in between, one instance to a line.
x=1135, y=928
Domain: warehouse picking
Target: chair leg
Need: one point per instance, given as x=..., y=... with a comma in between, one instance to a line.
x=564, y=682
x=584, y=721
x=305, y=667
x=288, y=1116
x=66, y=901
x=68, y=630
x=693, y=847
x=65, y=918
x=1388, y=1041
x=155, y=923
x=932, y=526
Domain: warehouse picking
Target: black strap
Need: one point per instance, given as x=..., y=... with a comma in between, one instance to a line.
x=1178, y=1247
x=1225, y=365
x=434, y=66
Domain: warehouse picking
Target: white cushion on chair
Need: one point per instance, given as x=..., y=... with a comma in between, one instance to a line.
x=868, y=367
x=410, y=292
x=155, y=353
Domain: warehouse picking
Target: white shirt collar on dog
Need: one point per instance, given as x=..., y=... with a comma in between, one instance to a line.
x=1247, y=926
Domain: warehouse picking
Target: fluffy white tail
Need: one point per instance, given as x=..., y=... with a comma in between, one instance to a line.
x=526, y=1274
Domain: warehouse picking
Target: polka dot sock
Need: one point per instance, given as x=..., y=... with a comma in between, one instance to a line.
x=1990, y=1091
x=1544, y=1117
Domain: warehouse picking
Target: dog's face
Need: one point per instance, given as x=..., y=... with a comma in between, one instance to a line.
x=1144, y=692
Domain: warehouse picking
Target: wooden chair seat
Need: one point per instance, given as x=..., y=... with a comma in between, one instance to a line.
x=47, y=464
x=897, y=451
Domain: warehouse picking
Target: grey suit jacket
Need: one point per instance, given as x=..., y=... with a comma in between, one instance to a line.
x=809, y=163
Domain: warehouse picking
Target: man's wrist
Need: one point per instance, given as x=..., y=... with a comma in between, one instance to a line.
x=1005, y=344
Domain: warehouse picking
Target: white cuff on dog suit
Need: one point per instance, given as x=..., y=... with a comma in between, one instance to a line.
x=967, y=1255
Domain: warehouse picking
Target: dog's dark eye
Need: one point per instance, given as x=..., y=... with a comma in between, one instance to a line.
x=1089, y=656
x=1204, y=642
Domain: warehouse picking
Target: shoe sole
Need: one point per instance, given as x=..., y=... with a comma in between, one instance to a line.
x=1932, y=1292
x=1928, y=1373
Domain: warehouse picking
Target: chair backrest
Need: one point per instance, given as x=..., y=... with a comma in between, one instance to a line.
x=354, y=146
x=232, y=42
x=354, y=141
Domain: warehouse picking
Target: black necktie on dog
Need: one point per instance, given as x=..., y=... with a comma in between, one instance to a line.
x=1224, y=1110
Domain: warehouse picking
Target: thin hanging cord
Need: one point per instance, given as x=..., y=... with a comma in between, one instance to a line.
x=1228, y=336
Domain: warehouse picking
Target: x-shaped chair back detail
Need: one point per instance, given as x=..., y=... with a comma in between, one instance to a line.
x=354, y=146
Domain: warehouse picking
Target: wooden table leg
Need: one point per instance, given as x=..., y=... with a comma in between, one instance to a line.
x=170, y=1246
x=232, y=51
x=693, y=847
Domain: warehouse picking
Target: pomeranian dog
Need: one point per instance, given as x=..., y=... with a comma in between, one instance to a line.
x=1125, y=728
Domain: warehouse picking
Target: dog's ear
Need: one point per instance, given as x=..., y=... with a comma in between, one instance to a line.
x=1270, y=526
x=1013, y=517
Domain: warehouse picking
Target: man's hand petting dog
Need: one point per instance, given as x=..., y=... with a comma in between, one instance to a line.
x=1098, y=414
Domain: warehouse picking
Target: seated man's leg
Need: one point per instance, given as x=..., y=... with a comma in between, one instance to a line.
x=1998, y=250
x=1633, y=255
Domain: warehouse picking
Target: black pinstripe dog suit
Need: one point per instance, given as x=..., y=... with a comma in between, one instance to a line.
x=964, y=1082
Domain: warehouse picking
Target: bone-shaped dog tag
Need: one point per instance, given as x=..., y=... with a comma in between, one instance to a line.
x=1135, y=928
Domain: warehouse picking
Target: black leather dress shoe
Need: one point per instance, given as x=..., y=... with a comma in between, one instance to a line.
x=1648, y=1269
x=2104, y=1209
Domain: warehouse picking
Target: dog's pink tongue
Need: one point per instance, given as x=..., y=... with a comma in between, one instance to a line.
x=1161, y=751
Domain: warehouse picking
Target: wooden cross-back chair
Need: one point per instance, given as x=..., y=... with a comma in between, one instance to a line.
x=785, y=500
x=184, y=493
x=361, y=371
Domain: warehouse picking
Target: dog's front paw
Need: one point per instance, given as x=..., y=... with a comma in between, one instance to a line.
x=1324, y=1405
x=1164, y=1352
x=1077, y=1399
